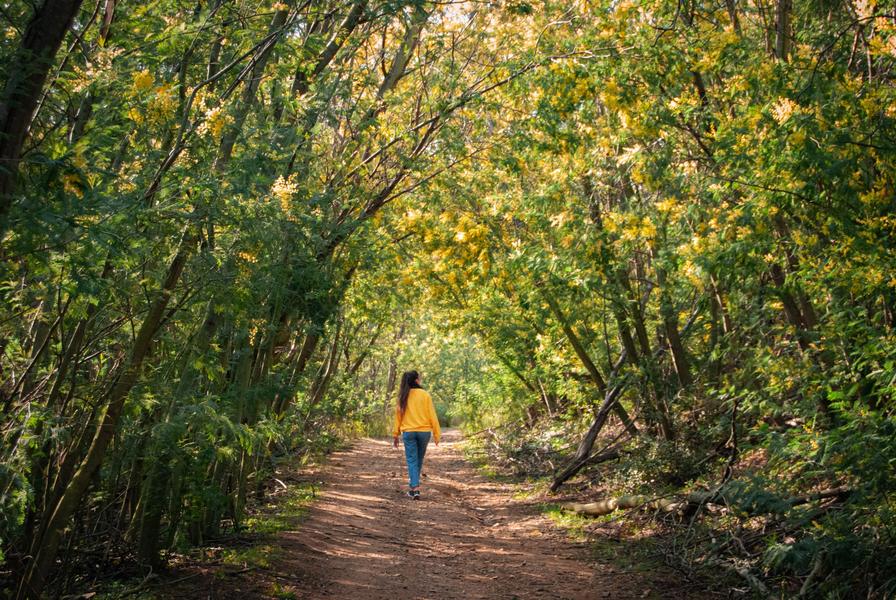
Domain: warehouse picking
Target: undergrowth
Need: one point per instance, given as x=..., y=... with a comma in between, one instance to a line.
x=753, y=518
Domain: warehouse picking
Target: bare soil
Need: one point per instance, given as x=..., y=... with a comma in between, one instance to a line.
x=468, y=537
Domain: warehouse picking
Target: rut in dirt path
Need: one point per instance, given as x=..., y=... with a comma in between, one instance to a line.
x=467, y=538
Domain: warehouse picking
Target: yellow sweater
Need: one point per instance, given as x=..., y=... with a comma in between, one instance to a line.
x=420, y=415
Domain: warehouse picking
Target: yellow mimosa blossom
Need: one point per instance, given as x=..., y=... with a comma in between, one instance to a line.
x=283, y=190
x=143, y=81
x=783, y=109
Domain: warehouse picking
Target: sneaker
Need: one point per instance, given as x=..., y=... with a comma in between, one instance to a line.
x=410, y=494
x=416, y=494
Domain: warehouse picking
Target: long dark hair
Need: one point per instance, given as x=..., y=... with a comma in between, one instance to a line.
x=408, y=381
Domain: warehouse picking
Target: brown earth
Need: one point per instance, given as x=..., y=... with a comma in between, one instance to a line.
x=467, y=538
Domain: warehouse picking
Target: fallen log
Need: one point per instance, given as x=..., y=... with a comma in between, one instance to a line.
x=837, y=492
x=680, y=505
x=719, y=497
x=605, y=507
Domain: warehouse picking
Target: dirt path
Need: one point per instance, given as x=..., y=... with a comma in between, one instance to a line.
x=467, y=538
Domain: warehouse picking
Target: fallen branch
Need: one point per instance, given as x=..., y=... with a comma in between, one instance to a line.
x=718, y=497
x=611, y=398
x=754, y=582
x=583, y=453
x=491, y=430
x=837, y=492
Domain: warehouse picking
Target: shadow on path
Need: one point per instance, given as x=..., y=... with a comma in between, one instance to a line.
x=467, y=538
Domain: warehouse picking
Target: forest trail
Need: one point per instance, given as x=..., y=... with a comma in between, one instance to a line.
x=468, y=537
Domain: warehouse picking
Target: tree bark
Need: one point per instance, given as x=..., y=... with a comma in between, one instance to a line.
x=732, y=14
x=301, y=81
x=582, y=456
x=583, y=452
x=782, y=29
x=328, y=369
x=28, y=72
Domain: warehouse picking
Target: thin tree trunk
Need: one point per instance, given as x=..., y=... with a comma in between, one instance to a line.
x=302, y=81
x=659, y=411
x=732, y=14
x=679, y=356
x=791, y=308
x=637, y=314
x=583, y=452
x=592, y=369
x=328, y=369
x=46, y=543
x=247, y=98
x=82, y=116
x=364, y=353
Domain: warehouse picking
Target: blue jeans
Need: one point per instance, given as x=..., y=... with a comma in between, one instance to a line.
x=415, y=443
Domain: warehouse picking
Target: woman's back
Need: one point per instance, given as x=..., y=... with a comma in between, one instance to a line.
x=420, y=414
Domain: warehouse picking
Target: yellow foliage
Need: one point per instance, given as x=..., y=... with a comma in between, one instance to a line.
x=164, y=103
x=667, y=205
x=283, y=190
x=693, y=273
x=610, y=95
x=71, y=183
x=248, y=257
x=865, y=8
x=559, y=219
x=412, y=217
x=216, y=119
x=143, y=81
x=783, y=109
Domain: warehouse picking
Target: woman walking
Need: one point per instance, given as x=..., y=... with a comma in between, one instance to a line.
x=416, y=420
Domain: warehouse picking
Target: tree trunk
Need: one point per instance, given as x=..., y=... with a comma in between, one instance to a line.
x=82, y=116
x=583, y=452
x=732, y=14
x=28, y=72
x=679, y=356
x=153, y=501
x=301, y=81
x=328, y=369
x=791, y=308
x=582, y=455
x=782, y=29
